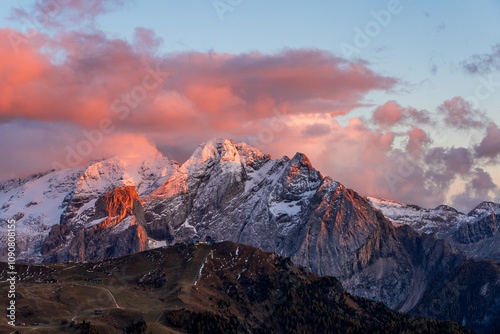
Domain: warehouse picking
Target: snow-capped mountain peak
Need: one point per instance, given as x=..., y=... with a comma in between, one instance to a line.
x=476, y=233
x=485, y=208
x=225, y=150
x=141, y=172
x=41, y=200
x=383, y=201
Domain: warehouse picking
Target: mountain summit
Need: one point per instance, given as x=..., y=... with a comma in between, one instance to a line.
x=225, y=150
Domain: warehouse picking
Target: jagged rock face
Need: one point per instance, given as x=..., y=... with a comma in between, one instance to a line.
x=227, y=192
x=118, y=204
x=478, y=230
x=100, y=244
x=475, y=233
x=115, y=227
x=56, y=200
x=338, y=222
x=396, y=265
x=287, y=207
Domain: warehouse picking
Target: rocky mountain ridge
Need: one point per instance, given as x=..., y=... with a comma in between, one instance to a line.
x=68, y=197
x=475, y=233
x=234, y=192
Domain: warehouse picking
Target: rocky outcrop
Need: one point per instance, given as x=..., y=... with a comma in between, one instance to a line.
x=115, y=227
x=101, y=243
x=478, y=230
x=55, y=239
x=118, y=204
x=397, y=265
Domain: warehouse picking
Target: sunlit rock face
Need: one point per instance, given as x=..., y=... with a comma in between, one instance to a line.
x=114, y=227
x=65, y=200
x=118, y=204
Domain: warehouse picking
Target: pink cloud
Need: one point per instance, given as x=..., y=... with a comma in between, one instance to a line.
x=248, y=86
x=316, y=130
x=390, y=114
x=17, y=70
x=417, y=140
x=100, y=75
x=459, y=114
x=32, y=147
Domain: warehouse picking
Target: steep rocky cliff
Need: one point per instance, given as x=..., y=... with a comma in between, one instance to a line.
x=58, y=199
x=115, y=227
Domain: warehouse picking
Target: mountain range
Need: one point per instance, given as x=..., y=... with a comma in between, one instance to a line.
x=402, y=255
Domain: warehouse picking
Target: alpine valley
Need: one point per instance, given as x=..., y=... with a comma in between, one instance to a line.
x=433, y=263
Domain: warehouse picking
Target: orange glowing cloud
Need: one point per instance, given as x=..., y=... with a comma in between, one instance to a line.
x=100, y=77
